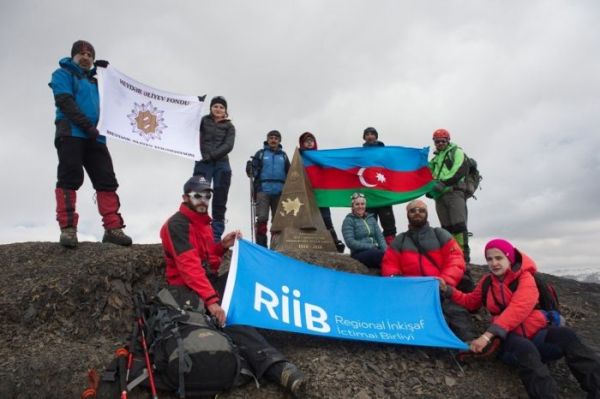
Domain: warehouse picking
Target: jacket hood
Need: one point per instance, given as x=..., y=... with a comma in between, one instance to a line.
x=266, y=146
x=69, y=64
x=303, y=136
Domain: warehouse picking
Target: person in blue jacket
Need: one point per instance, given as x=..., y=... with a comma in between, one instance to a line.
x=80, y=146
x=269, y=169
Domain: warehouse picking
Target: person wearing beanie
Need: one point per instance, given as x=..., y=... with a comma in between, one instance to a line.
x=385, y=214
x=449, y=170
x=520, y=331
x=217, y=137
x=308, y=141
x=425, y=251
x=268, y=170
x=79, y=145
x=192, y=261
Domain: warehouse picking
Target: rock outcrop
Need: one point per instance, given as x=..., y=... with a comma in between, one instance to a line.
x=65, y=311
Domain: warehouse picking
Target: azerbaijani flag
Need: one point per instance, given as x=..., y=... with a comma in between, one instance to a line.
x=385, y=175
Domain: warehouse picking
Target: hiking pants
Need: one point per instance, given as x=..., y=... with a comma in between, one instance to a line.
x=253, y=347
x=219, y=173
x=459, y=320
x=264, y=203
x=385, y=214
x=369, y=257
x=74, y=155
x=550, y=344
x=452, y=212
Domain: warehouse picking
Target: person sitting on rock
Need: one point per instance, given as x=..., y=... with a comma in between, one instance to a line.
x=426, y=251
x=193, y=259
x=308, y=141
x=527, y=339
x=362, y=234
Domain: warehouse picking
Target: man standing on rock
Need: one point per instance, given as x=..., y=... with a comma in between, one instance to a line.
x=193, y=260
x=80, y=145
x=427, y=251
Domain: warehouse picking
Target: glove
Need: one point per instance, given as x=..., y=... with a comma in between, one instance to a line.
x=101, y=63
x=249, y=169
x=93, y=133
x=438, y=187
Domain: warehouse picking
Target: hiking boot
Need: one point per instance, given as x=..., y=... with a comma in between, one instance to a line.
x=340, y=246
x=293, y=380
x=68, y=237
x=116, y=236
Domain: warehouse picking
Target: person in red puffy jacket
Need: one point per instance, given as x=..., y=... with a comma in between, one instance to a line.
x=527, y=341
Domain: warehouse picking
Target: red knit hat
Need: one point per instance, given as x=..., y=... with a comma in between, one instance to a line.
x=503, y=246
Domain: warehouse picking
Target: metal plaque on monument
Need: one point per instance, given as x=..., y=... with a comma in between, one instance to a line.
x=297, y=224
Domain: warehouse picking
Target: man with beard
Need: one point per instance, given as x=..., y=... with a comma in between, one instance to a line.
x=427, y=251
x=193, y=260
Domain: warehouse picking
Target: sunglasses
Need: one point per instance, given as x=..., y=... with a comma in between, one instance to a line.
x=440, y=141
x=205, y=196
x=419, y=210
x=357, y=195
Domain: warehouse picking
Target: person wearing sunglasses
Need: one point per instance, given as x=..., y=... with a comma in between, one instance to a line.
x=193, y=260
x=449, y=170
x=362, y=234
x=217, y=137
x=308, y=141
x=424, y=251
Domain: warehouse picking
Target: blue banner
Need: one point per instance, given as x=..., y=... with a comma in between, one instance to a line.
x=269, y=290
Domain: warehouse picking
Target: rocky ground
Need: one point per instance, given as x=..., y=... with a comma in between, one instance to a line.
x=65, y=311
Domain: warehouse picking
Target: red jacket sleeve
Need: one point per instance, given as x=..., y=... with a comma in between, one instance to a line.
x=453, y=263
x=470, y=301
x=391, y=263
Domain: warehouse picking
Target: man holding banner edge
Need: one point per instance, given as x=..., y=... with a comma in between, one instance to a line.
x=193, y=259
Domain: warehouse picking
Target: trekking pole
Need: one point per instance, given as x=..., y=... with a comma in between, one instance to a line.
x=122, y=355
x=252, y=208
x=140, y=322
x=134, y=335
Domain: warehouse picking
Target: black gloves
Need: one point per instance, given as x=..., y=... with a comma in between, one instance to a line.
x=101, y=63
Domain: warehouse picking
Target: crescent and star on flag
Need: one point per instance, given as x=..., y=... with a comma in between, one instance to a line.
x=379, y=177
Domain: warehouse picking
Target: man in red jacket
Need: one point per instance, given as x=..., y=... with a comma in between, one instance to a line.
x=427, y=251
x=193, y=259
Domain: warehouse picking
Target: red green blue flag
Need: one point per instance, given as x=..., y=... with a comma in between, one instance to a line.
x=385, y=175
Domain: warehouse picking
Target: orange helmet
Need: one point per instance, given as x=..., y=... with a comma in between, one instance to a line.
x=441, y=134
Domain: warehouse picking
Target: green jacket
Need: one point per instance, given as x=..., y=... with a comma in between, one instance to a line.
x=449, y=166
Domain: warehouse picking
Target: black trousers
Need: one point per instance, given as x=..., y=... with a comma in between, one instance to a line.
x=76, y=154
x=253, y=347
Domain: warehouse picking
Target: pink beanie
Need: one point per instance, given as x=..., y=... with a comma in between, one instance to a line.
x=504, y=246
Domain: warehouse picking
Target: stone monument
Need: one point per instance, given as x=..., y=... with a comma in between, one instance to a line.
x=297, y=224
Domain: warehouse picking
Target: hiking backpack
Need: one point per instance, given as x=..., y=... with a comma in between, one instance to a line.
x=191, y=356
x=472, y=176
x=547, y=302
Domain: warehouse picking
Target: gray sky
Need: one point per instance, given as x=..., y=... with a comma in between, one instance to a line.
x=516, y=84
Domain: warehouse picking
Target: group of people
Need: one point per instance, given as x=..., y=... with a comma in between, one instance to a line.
x=194, y=243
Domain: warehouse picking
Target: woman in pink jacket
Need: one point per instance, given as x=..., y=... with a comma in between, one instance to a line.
x=527, y=339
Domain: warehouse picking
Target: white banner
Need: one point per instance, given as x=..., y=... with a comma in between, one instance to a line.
x=133, y=112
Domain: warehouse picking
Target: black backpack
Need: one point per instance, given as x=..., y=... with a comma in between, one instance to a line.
x=547, y=302
x=472, y=176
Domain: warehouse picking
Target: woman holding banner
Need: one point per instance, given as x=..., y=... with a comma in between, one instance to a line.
x=217, y=136
x=362, y=234
x=524, y=334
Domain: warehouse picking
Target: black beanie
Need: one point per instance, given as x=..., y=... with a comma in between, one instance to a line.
x=274, y=133
x=81, y=45
x=218, y=100
x=370, y=130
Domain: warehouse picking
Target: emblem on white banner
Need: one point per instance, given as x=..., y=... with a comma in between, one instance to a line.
x=147, y=121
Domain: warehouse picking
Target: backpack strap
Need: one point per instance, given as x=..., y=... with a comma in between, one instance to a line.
x=485, y=287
